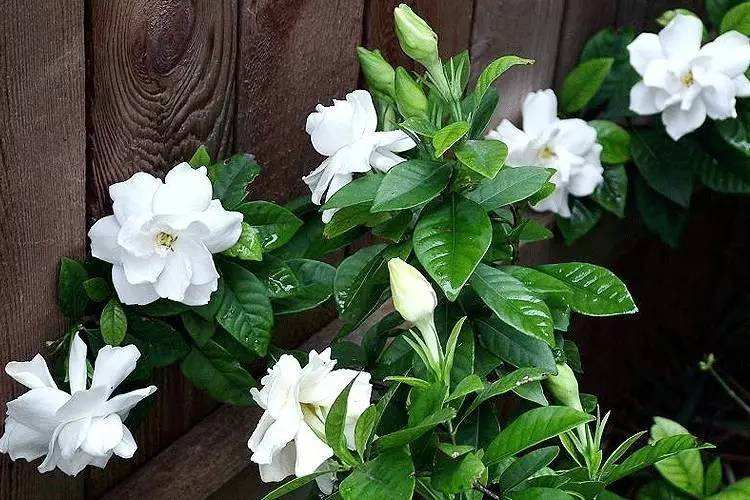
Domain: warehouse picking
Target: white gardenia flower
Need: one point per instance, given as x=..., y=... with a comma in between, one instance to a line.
x=568, y=146
x=345, y=133
x=684, y=82
x=78, y=429
x=290, y=436
x=161, y=237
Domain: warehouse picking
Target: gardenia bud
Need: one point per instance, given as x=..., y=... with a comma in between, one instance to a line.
x=378, y=73
x=410, y=98
x=417, y=39
x=564, y=387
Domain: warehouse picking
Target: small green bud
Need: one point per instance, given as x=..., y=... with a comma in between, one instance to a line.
x=410, y=98
x=378, y=73
x=564, y=387
x=417, y=39
x=669, y=15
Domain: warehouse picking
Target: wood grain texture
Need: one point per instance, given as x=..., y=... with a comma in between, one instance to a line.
x=451, y=20
x=42, y=196
x=162, y=79
x=294, y=54
x=527, y=28
x=580, y=22
x=641, y=14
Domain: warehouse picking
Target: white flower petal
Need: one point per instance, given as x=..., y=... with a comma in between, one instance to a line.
x=279, y=433
x=396, y=141
x=719, y=96
x=123, y=403
x=643, y=99
x=539, y=112
x=311, y=451
x=575, y=136
x=680, y=122
x=36, y=409
x=281, y=467
x=742, y=86
x=517, y=141
x=137, y=237
x=77, y=373
x=113, y=365
x=224, y=227
x=175, y=278
x=681, y=38
x=82, y=404
x=140, y=294
x=318, y=181
x=260, y=429
x=557, y=203
x=585, y=180
x=383, y=160
x=103, y=436
x=140, y=270
x=728, y=54
x=134, y=197
x=127, y=447
x=357, y=403
x=72, y=435
x=200, y=258
x=21, y=441
x=199, y=295
x=313, y=385
x=659, y=75
x=186, y=190
x=332, y=127
x=644, y=49
x=75, y=464
x=103, y=235
x=33, y=374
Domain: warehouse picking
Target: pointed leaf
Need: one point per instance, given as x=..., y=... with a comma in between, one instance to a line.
x=410, y=184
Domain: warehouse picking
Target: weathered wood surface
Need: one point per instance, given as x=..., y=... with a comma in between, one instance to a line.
x=42, y=195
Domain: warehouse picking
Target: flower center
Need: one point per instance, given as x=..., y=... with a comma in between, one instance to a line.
x=687, y=79
x=547, y=153
x=165, y=240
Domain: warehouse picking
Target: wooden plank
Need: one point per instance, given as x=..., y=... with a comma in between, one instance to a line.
x=451, y=20
x=528, y=28
x=42, y=196
x=641, y=14
x=163, y=82
x=580, y=22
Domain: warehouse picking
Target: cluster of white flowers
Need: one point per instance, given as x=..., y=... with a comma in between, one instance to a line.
x=686, y=82
x=78, y=429
x=346, y=134
x=567, y=146
x=162, y=234
x=290, y=436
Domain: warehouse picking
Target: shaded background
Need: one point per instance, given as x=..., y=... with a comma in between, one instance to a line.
x=95, y=90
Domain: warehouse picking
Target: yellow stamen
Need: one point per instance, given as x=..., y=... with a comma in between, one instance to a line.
x=687, y=79
x=165, y=239
x=547, y=153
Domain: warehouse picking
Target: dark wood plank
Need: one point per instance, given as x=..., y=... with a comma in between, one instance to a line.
x=163, y=77
x=42, y=196
x=451, y=20
x=163, y=81
x=528, y=28
x=641, y=14
x=580, y=22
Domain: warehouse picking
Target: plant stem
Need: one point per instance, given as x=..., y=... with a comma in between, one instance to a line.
x=483, y=489
x=742, y=404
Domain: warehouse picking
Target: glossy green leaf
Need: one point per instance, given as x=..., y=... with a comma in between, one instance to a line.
x=297, y=482
x=450, y=240
x=493, y=71
x=485, y=157
x=97, y=289
x=245, y=310
x=532, y=231
x=513, y=303
x=348, y=218
x=113, y=323
x=483, y=113
x=390, y=475
x=509, y=186
x=395, y=228
x=71, y=294
x=737, y=19
x=364, y=428
x=212, y=369
x=685, y=469
x=739, y=490
x=275, y=224
x=453, y=475
x=335, y=424
x=713, y=477
x=583, y=82
x=314, y=286
x=419, y=126
x=230, y=179
x=160, y=344
x=409, y=434
x=612, y=194
x=662, y=217
x=248, y=247
x=200, y=158
x=410, y=184
x=447, y=136
x=360, y=190
x=583, y=218
x=716, y=9
x=506, y=384
x=548, y=287
x=514, y=347
x=614, y=139
x=199, y=329
x=526, y=466
x=469, y=384
x=540, y=493
x=595, y=291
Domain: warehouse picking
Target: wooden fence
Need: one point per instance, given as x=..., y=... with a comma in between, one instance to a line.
x=95, y=90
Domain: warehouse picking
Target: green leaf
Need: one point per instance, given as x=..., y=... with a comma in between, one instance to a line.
x=583, y=218
x=526, y=466
x=212, y=369
x=70, y=289
x=199, y=329
x=164, y=307
x=410, y=381
x=662, y=217
x=505, y=384
x=113, y=323
x=450, y=240
x=728, y=175
x=360, y=190
x=736, y=131
x=551, y=289
x=248, y=247
x=97, y=289
x=410, y=184
x=510, y=185
x=479, y=428
x=231, y=177
x=200, y=158
x=296, y=483
x=684, y=470
x=614, y=139
x=485, y=157
x=713, y=477
x=447, y=136
x=612, y=194
x=469, y=384
x=532, y=231
x=667, y=166
x=716, y=9
x=335, y=424
x=364, y=428
x=159, y=343
x=453, y=475
x=595, y=291
x=737, y=19
x=314, y=286
x=210, y=310
x=650, y=454
x=532, y=428
x=245, y=310
x=411, y=433
x=493, y=71
x=390, y=475
x=583, y=82
x=276, y=225
x=395, y=228
x=514, y=347
x=349, y=218
x=735, y=491
x=540, y=493
x=512, y=302
x=419, y=126
x=483, y=113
